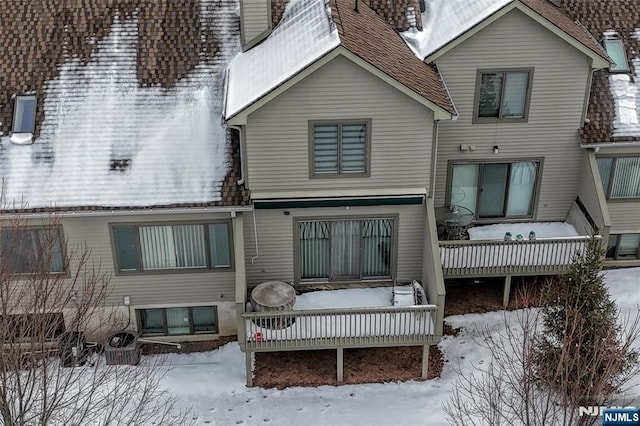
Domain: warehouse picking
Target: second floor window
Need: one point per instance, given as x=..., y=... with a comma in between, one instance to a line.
x=620, y=177
x=172, y=247
x=502, y=95
x=32, y=250
x=339, y=149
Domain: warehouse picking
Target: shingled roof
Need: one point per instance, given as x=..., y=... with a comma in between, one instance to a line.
x=446, y=21
x=614, y=104
x=311, y=29
x=129, y=96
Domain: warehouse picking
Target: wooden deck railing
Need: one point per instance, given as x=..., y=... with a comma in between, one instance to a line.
x=492, y=257
x=343, y=327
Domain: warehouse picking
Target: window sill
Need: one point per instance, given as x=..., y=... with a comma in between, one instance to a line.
x=499, y=120
x=172, y=271
x=339, y=175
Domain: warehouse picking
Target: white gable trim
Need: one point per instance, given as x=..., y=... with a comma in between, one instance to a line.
x=240, y=118
x=597, y=60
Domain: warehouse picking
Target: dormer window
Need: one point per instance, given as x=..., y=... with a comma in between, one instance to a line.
x=615, y=50
x=24, y=114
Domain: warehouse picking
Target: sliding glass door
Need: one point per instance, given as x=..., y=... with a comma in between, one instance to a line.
x=341, y=250
x=493, y=190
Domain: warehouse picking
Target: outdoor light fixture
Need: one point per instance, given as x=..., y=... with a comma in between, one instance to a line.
x=496, y=149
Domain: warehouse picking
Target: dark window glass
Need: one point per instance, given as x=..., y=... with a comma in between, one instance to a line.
x=24, y=116
x=126, y=247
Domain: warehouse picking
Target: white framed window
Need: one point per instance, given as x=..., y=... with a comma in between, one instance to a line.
x=494, y=190
x=165, y=247
x=345, y=249
x=502, y=95
x=24, y=114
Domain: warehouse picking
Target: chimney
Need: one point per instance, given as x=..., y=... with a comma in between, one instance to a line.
x=255, y=21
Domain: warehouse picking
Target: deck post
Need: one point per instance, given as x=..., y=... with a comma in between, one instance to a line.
x=248, y=357
x=340, y=364
x=425, y=361
x=507, y=290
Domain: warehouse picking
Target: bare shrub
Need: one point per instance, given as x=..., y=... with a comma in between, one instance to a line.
x=51, y=296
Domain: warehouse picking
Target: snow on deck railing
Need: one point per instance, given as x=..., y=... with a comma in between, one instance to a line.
x=493, y=257
x=341, y=327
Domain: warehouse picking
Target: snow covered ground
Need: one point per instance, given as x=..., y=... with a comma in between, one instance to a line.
x=212, y=383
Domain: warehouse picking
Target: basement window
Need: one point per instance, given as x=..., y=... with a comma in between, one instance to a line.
x=615, y=50
x=24, y=114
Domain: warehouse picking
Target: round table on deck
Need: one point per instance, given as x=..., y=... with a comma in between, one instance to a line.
x=273, y=296
x=454, y=220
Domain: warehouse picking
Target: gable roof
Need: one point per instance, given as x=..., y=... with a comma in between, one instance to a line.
x=444, y=22
x=614, y=103
x=312, y=29
x=129, y=104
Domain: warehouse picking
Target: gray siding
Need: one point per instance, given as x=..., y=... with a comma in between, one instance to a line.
x=148, y=288
x=555, y=112
x=591, y=194
x=255, y=19
x=275, y=239
x=277, y=134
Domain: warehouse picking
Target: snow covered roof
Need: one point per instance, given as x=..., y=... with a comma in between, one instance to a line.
x=445, y=20
x=309, y=30
x=614, y=104
x=305, y=34
x=136, y=122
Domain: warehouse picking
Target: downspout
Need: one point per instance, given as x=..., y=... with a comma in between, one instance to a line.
x=241, y=142
x=434, y=158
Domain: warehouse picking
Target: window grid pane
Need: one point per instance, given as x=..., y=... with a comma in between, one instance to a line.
x=152, y=321
x=377, y=242
x=345, y=249
x=354, y=143
x=626, y=179
x=126, y=247
x=604, y=169
x=205, y=319
x=190, y=249
x=325, y=148
x=515, y=94
x=522, y=184
x=178, y=321
x=490, y=95
x=219, y=245
x=26, y=251
x=314, y=249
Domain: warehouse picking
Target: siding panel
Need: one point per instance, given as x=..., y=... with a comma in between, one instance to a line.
x=148, y=289
x=555, y=113
x=277, y=134
x=276, y=245
x=256, y=18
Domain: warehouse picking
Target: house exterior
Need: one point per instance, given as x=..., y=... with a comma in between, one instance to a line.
x=108, y=131
x=200, y=151
x=611, y=131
